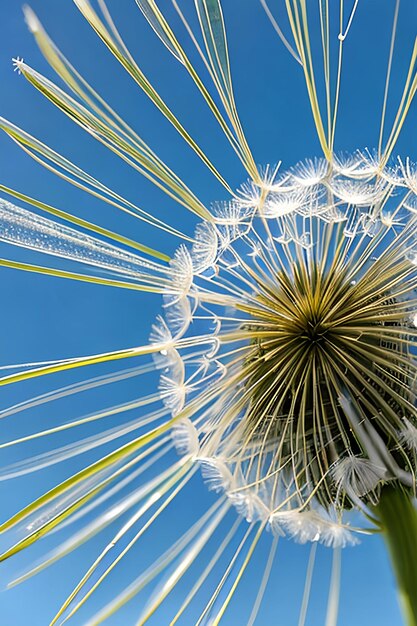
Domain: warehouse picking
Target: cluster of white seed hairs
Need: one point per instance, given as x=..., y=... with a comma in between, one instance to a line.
x=289, y=325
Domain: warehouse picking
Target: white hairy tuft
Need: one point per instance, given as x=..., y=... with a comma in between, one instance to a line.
x=185, y=437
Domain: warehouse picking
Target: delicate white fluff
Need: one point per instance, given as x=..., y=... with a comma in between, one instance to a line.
x=248, y=196
x=208, y=371
x=178, y=315
x=216, y=474
x=408, y=435
x=268, y=175
x=359, y=165
x=172, y=385
x=249, y=505
x=360, y=194
x=18, y=63
x=160, y=332
x=174, y=366
x=172, y=394
x=409, y=173
x=204, y=250
x=232, y=220
x=275, y=525
x=300, y=526
x=232, y=213
x=281, y=184
x=310, y=172
x=310, y=526
x=181, y=272
x=169, y=328
x=411, y=202
x=278, y=204
x=333, y=532
x=371, y=226
x=185, y=437
x=335, y=535
x=357, y=474
x=331, y=214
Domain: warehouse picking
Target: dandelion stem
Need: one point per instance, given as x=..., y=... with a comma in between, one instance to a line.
x=399, y=525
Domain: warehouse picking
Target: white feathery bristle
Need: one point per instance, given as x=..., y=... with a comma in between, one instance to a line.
x=249, y=505
x=311, y=172
x=227, y=213
x=248, y=196
x=411, y=202
x=172, y=385
x=346, y=165
x=178, y=315
x=311, y=526
x=332, y=214
x=275, y=525
x=256, y=248
x=216, y=474
x=232, y=220
x=357, y=193
x=409, y=173
x=185, y=437
x=160, y=332
x=302, y=526
x=359, y=165
x=408, y=434
x=279, y=204
x=281, y=184
x=172, y=393
x=369, y=163
x=333, y=532
x=181, y=272
x=334, y=535
x=357, y=474
x=388, y=219
x=204, y=250
x=268, y=174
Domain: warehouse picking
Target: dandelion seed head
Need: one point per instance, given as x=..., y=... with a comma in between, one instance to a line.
x=285, y=347
x=312, y=302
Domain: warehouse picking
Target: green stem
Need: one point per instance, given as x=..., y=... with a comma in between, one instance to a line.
x=399, y=525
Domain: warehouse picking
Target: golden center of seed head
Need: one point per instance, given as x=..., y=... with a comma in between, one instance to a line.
x=322, y=336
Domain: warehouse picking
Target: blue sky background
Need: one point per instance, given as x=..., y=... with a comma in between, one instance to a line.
x=46, y=318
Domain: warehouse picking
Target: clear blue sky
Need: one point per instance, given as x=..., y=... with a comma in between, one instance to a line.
x=45, y=318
